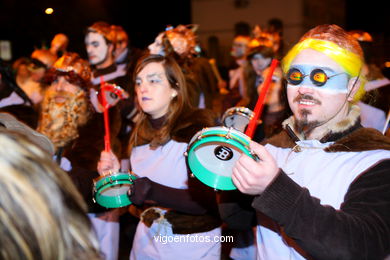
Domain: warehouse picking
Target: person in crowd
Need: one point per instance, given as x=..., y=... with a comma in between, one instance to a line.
x=59, y=44
x=259, y=56
x=100, y=43
x=42, y=215
x=30, y=74
x=236, y=71
x=180, y=42
x=124, y=53
x=275, y=27
x=77, y=131
x=375, y=102
x=13, y=99
x=320, y=189
x=171, y=203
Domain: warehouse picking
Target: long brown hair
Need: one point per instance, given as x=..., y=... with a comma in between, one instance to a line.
x=143, y=131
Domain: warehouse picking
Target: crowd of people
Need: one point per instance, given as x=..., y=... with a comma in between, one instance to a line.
x=317, y=185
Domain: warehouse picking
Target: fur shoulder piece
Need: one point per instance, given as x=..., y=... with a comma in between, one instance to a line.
x=191, y=122
x=362, y=139
x=282, y=140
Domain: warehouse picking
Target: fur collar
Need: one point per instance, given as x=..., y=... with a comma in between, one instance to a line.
x=185, y=127
x=348, y=136
x=333, y=132
x=192, y=122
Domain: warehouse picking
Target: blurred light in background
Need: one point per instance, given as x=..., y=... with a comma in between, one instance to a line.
x=49, y=10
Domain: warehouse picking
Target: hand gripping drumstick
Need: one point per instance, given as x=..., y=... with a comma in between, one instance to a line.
x=260, y=101
x=107, y=142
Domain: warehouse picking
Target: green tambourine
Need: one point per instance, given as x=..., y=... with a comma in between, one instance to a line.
x=212, y=153
x=110, y=190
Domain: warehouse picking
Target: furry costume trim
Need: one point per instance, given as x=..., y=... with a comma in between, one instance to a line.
x=352, y=118
x=192, y=122
x=348, y=136
x=186, y=126
x=362, y=139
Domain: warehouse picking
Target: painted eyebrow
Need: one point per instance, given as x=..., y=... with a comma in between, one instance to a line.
x=154, y=75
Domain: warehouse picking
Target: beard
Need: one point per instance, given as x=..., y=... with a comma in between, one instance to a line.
x=60, y=121
x=303, y=125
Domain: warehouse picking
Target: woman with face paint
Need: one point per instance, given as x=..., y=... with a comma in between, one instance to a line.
x=175, y=209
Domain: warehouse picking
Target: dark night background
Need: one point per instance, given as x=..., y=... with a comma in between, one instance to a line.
x=28, y=27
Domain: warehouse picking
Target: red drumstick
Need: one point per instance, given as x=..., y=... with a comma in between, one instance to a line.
x=107, y=143
x=260, y=101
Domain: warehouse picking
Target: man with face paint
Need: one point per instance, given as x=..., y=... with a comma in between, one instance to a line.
x=320, y=189
x=100, y=42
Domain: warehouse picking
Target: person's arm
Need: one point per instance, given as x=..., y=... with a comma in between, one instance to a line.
x=359, y=230
x=236, y=211
x=183, y=200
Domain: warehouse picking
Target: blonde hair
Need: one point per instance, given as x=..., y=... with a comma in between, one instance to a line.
x=42, y=215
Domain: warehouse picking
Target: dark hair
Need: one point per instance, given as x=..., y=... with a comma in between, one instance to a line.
x=266, y=52
x=8, y=83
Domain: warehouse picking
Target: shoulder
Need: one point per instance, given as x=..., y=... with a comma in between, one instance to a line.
x=362, y=139
x=192, y=121
x=282, y=140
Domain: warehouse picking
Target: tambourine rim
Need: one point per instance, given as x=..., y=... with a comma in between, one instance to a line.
x=112, y=201
x=230, y=131
x=109, y=185
x=207, y=177
x=238, y=111
x=98, y=179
